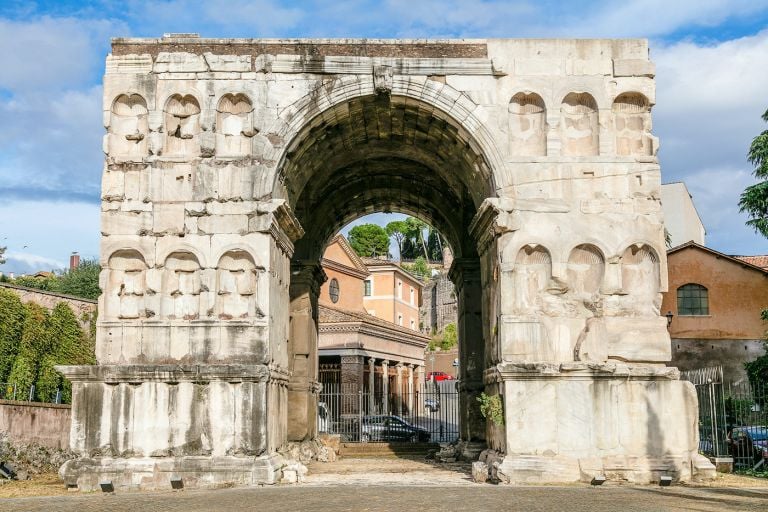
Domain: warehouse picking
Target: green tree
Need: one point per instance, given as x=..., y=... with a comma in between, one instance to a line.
x=415, y=228
x=418, y=268
x=50, y=283
x=35, y=343
x=754, y=199
x=82, y=281
x=369, y=240
x=11, y=327
x=398, y=231
x=2, y=252
x=446, y=339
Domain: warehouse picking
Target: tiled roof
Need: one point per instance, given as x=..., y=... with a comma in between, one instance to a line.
x=758, y=261
x=330, y=315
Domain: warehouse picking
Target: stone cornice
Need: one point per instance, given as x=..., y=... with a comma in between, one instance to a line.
x=577, y=370
x=173, y=373
x=280, y=222
x=344, y=269
x=416, y=339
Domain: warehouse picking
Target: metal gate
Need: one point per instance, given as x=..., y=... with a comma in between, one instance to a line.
x=733, y=418
x=430, y=414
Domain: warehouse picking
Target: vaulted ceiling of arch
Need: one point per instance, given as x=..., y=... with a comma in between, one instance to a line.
x=379, y=153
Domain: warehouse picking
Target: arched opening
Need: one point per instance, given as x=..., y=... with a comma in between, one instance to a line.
x=384, y=153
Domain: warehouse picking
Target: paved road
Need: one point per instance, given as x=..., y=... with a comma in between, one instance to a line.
x=476, y=498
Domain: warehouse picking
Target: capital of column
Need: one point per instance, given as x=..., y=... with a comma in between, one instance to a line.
x=463, y=270
x=493, y=219
x=307, y=274
x=372, y=362
x=276, y=218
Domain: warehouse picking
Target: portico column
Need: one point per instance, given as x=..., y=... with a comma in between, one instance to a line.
x=371, y=386
x=385, y=387
x=399, y=390
x=303, y=387
x=465, y=274
x=420, y=385
x=409, y=387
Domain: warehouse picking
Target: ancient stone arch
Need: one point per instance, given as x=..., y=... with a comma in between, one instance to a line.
x=556, y=313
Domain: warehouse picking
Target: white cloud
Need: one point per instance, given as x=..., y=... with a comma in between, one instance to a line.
x=709, y=102
x=28, y=262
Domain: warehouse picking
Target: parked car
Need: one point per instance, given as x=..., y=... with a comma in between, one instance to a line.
x=391, y=428
x=749, y=442
x=438, y=376
x=432, y=404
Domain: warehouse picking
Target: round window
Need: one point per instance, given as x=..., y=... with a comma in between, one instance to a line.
x=333, y=290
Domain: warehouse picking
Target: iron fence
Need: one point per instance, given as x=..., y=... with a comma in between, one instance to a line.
x=733, y=418
x=11, y=391
x=428, y=414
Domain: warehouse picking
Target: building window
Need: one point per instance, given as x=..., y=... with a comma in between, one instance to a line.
x=400, y=290
x=692, y=300
x=399, y=319
x=367, y=287
x=412, y=297
x=413, y=325
x=333, y=290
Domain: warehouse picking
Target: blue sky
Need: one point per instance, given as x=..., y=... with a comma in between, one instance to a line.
x=712, y=82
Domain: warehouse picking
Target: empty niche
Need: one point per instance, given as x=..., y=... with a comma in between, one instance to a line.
x=128, y=127
x=632, y=121
x=126, y=285
x=579, y=125
x=527, y=125
x=181, y=286
x=234, y=125
x=236, y=282
x=640, y=271
x=533, y=270
x=182, y=126
x=586, y=267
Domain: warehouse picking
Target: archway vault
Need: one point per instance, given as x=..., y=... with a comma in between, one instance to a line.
x=381, y=152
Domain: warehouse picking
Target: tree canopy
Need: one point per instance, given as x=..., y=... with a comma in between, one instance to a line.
x=2, y=252
x=82, y=281
x=369, y=240
x=754, y=199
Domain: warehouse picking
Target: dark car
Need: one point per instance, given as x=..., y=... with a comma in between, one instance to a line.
x=749, y=442
x=391, y=428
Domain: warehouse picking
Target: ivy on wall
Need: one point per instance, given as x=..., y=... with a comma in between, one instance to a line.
x=33, y=341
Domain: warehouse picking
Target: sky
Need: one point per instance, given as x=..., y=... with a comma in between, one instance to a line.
x=711, y=74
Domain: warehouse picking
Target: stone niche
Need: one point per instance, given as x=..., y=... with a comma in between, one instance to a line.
x=181, y=287
x=126, y=286
x=579, y=127
x=632, y=119
x=234, y=125
x=128, y=128
x=181, y=118
x=236, y=287
x=527, y=125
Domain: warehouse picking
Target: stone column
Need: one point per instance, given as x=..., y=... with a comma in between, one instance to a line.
x=420, y=386
x=371, y=386
x=306, y=279
x=399, y=388
x=465, y=274
x=409, y=387
x=352, y=370
x=385, y=387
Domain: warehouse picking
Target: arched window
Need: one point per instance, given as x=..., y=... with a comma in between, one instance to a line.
x=692, y=300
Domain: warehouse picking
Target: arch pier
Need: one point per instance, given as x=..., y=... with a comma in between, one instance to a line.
x=230, y=164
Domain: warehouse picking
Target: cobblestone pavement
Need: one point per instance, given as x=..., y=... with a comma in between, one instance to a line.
x=414, y=485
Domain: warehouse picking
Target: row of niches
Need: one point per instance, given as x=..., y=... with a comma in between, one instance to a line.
x=579, y=125
x=628, y=285
x=133, y=132
x=181, y=289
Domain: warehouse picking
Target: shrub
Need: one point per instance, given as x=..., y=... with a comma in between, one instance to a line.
x=11, y=325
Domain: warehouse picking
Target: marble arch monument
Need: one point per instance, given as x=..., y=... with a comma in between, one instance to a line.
x=230, y=164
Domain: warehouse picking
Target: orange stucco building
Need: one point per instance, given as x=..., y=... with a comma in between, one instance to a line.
x=368, y=328
x=715, y=300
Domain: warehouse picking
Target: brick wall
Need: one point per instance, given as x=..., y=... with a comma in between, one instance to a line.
x=33, y=422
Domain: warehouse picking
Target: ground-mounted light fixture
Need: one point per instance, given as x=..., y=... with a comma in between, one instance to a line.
x=665, y=481
x=177, y=483
x=598, y=480
x=106, y=486
x=669, y=316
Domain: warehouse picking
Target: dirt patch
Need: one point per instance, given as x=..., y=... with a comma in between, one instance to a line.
x=44, y=484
